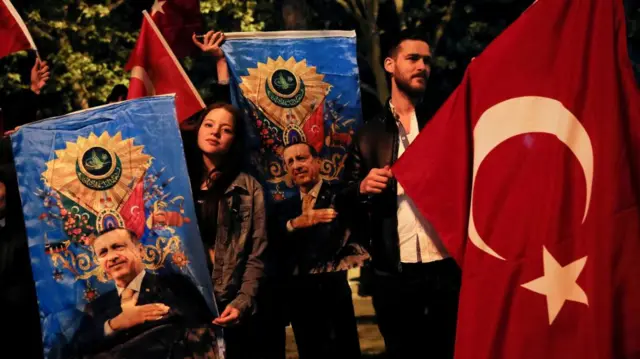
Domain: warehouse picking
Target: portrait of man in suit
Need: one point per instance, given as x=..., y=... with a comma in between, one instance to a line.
x=320, y=214
x=318, y=248
x=146, y=315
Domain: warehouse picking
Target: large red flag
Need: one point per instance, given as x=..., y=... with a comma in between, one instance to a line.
x=156, y=71
x=13, y=32
x=177, y=21
x=530, y=173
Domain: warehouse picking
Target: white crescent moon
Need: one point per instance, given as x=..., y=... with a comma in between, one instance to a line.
x=133, y=209
x=522, y=115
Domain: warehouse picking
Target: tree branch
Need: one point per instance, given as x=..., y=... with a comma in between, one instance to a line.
x=399, y=4
x=116, y=4
x=356, y=9
x=443, y=24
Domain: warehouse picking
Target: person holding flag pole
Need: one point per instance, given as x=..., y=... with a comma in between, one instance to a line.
x=155, y=70
x=529, y=173
x=18, y=109
x=416, y=283
x=18, y=301
x=13, y=31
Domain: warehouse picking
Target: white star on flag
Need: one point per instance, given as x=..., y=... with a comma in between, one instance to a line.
x=157, y=6
x=558, y=283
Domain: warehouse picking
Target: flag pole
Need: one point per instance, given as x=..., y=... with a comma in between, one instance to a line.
x=22, y=25
x=173, y=57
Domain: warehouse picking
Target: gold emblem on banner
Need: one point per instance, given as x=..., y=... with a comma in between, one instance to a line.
x=97, y=173
x=287, y=92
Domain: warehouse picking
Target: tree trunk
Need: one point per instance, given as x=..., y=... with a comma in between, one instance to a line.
x=376, y=66
x=400, y=12
x=443, y=24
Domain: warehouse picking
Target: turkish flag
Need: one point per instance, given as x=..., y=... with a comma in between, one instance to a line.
x=530, y=173
x=13, y=32
x=132, y=211
x=313, y=128
x=177, y=21
x=156, y=71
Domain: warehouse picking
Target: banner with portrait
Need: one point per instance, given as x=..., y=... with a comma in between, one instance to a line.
x=119, y=165
x=296, y=86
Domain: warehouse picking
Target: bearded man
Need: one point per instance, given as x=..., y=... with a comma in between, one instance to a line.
x=415, y=282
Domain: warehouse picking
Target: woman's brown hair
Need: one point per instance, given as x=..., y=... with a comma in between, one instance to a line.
x=220, y=178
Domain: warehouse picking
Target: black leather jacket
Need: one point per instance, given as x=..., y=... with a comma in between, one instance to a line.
x=375, y=146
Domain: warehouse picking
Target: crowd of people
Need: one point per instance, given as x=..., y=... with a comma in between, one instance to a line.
x=274, y=264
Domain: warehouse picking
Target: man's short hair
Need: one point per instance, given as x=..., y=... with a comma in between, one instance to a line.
x=132, y=235
x=405, y=35
x=312, y=150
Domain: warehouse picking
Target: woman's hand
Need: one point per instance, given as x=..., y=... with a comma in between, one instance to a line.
x=211, y=43
x=230, y=317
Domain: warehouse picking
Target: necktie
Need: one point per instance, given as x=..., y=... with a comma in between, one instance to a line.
x=307, y=202
x=127, y=298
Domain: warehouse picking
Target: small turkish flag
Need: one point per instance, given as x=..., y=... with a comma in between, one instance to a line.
x=156, y=71
x=132, y=211
x=314, y=128
x=13, y=32
x=177, y=21
x=530, y=173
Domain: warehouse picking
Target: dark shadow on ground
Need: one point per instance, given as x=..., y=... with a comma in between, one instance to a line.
x=366, y=319
x=374, y=356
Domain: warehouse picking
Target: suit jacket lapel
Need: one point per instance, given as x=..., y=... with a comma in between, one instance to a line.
x=324, y=198
x=107, y=306
x=295, y=206
x=147, y=289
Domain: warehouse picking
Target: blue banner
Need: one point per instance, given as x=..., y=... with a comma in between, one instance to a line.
x=296, y=86
x=120, y=165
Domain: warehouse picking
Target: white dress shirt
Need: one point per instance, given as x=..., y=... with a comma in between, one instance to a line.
x=418, y=241
x=134, y=285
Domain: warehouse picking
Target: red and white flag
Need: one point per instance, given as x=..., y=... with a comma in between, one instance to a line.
x=156, y=71
x=177, y=21
x=530, y=173
x=13, y=32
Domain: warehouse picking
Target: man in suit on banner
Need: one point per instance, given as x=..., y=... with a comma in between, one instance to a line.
x=146, y=315
x=318, y=249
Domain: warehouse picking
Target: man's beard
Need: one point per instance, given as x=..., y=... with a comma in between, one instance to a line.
x=404, y=86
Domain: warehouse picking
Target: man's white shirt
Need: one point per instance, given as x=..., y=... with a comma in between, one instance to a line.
x=415, y=234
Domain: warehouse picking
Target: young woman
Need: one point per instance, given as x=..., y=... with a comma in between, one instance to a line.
x=268, y=325
x=231, y=218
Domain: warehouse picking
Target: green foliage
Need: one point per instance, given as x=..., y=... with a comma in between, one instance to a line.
x=458, y=30
x=227, y=16
x=471, y=26
x=234, y=15
x=87, y=42
x=86, y=45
